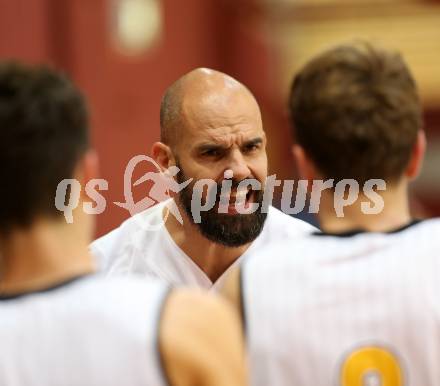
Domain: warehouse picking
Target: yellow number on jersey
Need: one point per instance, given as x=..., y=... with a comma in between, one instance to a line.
x=371, y=366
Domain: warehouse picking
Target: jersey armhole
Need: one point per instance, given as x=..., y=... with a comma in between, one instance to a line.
x=233, y=291
x=159, y=324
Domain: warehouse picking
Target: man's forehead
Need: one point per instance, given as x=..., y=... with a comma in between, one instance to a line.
x=226, y=136
x=216, y=107
x=221, y=112
x=220, y=120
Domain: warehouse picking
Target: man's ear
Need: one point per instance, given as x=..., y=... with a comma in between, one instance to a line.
x=163, y=155
x=417, y=155
x=306, y=168
x=87, y=168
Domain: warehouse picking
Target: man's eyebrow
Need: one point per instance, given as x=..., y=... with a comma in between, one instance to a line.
x=209, y=146
x=217, y=146
x=254, y=141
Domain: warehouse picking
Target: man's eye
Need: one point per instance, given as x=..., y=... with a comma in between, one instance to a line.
x=251, y=148
x=211, y=153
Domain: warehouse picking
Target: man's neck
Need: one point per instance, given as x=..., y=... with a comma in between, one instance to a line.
x=395, y=212
x=45, y=255
x=212, y=258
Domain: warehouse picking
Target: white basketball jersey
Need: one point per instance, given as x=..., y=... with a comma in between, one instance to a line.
x=360, y=310
x=92, y=331
x=142, y=245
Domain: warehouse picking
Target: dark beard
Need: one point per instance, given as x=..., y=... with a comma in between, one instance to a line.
x=230, y=230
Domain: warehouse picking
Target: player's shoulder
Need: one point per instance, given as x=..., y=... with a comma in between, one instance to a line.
x=428, y=226
x=146, y=219
x=118, y=289
x=288, y=225
x=125, y=300
x=125, y=283
x=200, y=314
x=145, y=224
x=214, y=358
x=304, y=254
x=280, y=230
x=191, y=303
x=418, y=235
x=96, y=296
x=416, y=230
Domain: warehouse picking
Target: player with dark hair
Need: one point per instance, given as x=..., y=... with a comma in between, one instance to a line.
x=357, y=304
x=61, y=324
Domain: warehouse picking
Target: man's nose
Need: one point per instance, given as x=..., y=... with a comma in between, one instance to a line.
x=238, y=166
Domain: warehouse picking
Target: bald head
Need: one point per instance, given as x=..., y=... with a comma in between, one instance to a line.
x=198, y=95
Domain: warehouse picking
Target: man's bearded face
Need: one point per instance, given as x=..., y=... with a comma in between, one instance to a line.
x=229, y=229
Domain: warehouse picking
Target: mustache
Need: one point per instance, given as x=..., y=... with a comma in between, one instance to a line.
x=235, y=184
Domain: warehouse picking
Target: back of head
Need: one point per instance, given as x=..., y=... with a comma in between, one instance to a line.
x=43, y=134
x=356, y=113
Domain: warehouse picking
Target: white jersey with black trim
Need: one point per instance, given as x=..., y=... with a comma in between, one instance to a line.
x=142, y=245
x=92, y=331
x=360, y=310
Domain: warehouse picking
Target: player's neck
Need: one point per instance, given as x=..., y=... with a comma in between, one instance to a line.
x=395, y=212
x=212, y=258
x=44, y=255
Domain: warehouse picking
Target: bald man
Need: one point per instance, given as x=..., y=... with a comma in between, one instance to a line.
x=60, y=322
x=211, y=128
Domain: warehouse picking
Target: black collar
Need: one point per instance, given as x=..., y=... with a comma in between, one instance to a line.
x=44, y=290
x=355, y=232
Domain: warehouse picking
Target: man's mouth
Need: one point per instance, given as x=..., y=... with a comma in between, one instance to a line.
x=241, y=199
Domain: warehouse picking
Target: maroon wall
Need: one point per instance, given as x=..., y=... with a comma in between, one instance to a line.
x=124, y=92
